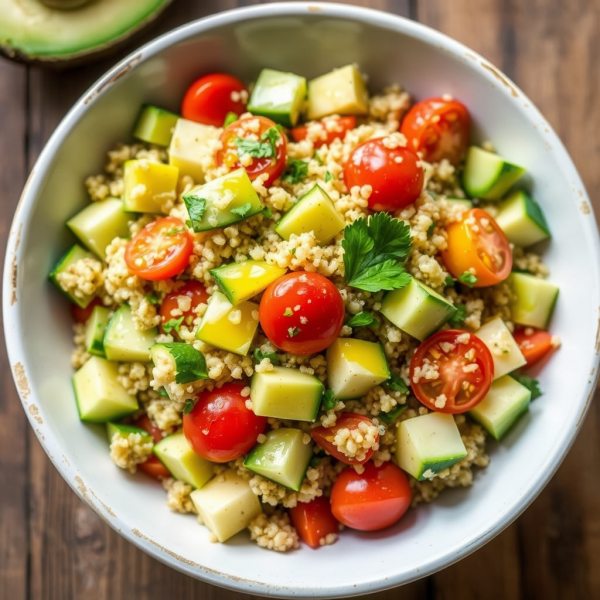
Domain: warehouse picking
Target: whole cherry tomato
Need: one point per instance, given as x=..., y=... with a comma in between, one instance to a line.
x=329, y=129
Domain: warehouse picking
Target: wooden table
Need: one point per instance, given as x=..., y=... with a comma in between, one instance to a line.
x=53, y=547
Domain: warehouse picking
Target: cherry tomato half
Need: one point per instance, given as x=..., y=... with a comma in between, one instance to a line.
x=302, y=313
x=220, y=427
x=477, y=242
x=465, y=370
x=438, y=129
x=195, y=291
x=314, y=521
x=330, y=129
x=395, y=174
x=325, y=436
x=148, y=425
x=210, y=98
x=81, y=315
x=371, y=501
x=152, y=466
x=534, y=344
x=160, y=250
x=259, y=130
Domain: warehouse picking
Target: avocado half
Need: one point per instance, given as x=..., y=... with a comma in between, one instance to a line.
x=34, y=31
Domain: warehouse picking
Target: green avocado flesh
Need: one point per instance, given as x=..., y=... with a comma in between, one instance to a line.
x=31, y=30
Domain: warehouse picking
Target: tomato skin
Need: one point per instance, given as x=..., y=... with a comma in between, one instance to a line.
x=371, y=501
x=220, y=428
x=208, y=100
x=243, y=128
x=81, y=315
x=314, y=520
x=450, y=365
x=438, y=129
x=324, y=436
x=343, y=124
x=154, y=468
x=478, y=249
x=157, y=253
x=320, y=307
x=145, y=423
x=395, y=184
x=195, y=291
x=534, y=344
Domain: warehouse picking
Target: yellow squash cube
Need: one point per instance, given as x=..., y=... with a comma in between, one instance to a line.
x=148, y=186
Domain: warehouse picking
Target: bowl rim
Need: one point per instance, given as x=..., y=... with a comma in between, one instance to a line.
x=14, y=254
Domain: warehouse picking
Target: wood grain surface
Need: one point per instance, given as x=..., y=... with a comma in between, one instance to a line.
x=52, y=547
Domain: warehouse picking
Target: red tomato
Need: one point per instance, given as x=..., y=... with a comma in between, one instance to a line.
x=438, y=129
x=195, y=291
x=534, y=344
x=160, y=250
x=454, y=390
x=314, y=521
x=371, y=501
x=210, y=98
x=302, y=313
x=324, y=436
x=477, y=242
x=145, y=423
x=220, y=428
x=254, y=129
x=330, y=129
x=154, y=468
x=395, y=174
x=81, y=315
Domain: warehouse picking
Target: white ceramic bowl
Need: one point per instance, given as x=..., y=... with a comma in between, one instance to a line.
x=308, y=39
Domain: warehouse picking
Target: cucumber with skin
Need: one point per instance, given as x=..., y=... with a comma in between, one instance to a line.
x=74, y=254
x=155, y=125
x=534, y=300
x=522, y=220
x=124, y=431
x=502, y=345
x=94, y=330
x=123, y=342
x=189, y=364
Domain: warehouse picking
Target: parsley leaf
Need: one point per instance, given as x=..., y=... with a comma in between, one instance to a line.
x=533, y=385
x=468, y=279
x=189, y=406
x=260, y=356
x=296, y=171
x=196, y=208
x=391, y=416
x=458, y=318
x=431, y=228
x=263, y=148
x=328, y=401
x=242, y=210
x=163, y=393
x=230, y=117
x=375, y=251
x=152, y=298
x=450, y=281
x=267, y=212
x=188, y=223
x=328, y=176
x=288, y=312
x=396, y=384
x=175, y=231
x=271, y=136
x=294, y=331
x=361, y=319
x=172, y=324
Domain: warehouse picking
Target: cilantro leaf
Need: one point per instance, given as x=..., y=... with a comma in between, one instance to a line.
x=196, y=208
x=267, y=212
x=188, y=223
x=189, y=406
x=288, y=312
x=431, y=228
x=391, y=416
x=468, y=279
x=172, y=324
x=328, y=176
x=328, y=401
x=294, y=331
x=450, y=281
x=152, y=298
x=271, y=136
x=242, y=210
x=458, y=318
x=361, y=319
x=296, y=170
x=163, y=393
x=230, y=118
x=396, y=384
x=263, y=148
x=259, y=356
x=533, y=385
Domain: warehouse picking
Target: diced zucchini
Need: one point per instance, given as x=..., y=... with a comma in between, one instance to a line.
x=487, y=175
x=340, y=92
x=182, y=462
x=155, y=125
x=99, y=395
x=500, y=342
x=94, y=330
x=223, y=327
x=278, y=96
x=313, y=212
x=283, y=457
x=222, y=201
x=122, y=341
x=189, y=364
x=226, y=505
x=465, y=202
x=99, y=223
x=242, y=281
x=417, y=309
x=74, y=254
x=354, y=367
x=148, y=185
x=506, y=401
x=286, y=393
x=534, y=300
x=124, y=431
x=522, y=219
x=428, y=444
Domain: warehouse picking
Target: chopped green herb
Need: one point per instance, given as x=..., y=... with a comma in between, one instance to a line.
x=468, y=279
x=396, y=384
x=318, y=159
x=271, y=136
x=533, y=385
x=450, y=281
x=433, y=195
x=328, y=176
x=163, y=393
x=172, y=324
x=267, y=212
x=263, y=148
x=196, y=208
x=188, y=223
x=152, y=298
x=361, y=319
x=458, y=318
x=294, y=331
x=175, y=231
x=431, y=228
x=189, y=406
x=288, y=312
x=242, y=210
x=230, y=118
x=260, y=356
x=296, y=170
x=293, y=251
x=391, y=416
x=315, y=460
x=328, y=401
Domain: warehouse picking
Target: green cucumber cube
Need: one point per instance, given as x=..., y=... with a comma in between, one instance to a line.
x=189, y=364
x=122, y=341
x=468, y=204
x=522, y=220
x=124, y=431
x=94, y=330
x=534, y=300
x=74, y=254
x=148, y=186
x=155, y=125
x=502, y=345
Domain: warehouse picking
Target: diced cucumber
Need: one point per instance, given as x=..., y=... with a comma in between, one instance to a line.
x=148, y=185
x=124, y=431
x=122, y=341
x=487, y=175
x=278, y=96
x=182, y=462
x=500, y=342
x=341, y=92
x=94, y=330
x=189, y=364
x=226, y=505
x=313, y=212
x=222, y=201
x=74, y=254
x=242, y=281
x=506, y=401
x=417, y=309
x=99, y=395
x=466, y=203
x=534, y=300
x=99, y=223
x=155, y=125
x=286, y=393
x=522, y=219
x=354, y=367
x=283, y=457
x=428, y=444
x=223, y=327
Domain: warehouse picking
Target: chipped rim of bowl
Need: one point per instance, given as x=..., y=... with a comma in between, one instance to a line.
x=14, y=254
